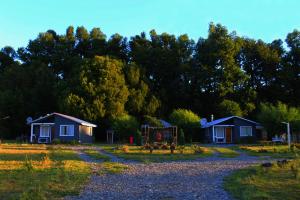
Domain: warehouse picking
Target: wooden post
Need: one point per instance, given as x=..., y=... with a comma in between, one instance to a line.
x=31, y=132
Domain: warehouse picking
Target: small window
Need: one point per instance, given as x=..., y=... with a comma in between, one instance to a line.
x=45, y=131
x=66, y=130
x=219, y=132
x=245, y=131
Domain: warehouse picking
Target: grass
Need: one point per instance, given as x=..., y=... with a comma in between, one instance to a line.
x=96, y=154
x=112, y=168
x=158, y=155
x=226, y=152
x=275, y=151
x=37, y=172
x=275, y=183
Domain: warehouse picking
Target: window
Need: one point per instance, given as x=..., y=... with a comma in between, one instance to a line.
x=90, y=131
x=45, y=131
x=66, y=130
x=246, y=131
x=219, y=132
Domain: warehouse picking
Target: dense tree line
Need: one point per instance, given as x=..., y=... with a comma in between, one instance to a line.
x=88, y=75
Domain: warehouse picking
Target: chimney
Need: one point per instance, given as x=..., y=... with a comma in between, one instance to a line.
x=212, y=117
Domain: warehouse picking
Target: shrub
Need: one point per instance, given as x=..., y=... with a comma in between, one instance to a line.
x=125, y=126
x=56, y=141
x=186, y=120
x=181, y=149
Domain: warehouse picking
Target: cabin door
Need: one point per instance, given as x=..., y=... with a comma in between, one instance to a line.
x=228, y=133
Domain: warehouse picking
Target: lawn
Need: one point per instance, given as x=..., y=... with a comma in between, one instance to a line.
x=40, y=172
x=137, y=153
x=226, y=152
x=96, y=155
x=277, y=182
x=275, y=151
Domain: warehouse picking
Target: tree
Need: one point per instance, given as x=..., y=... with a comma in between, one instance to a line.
x=140, y=101
x=229, y=108
x=185, y=120
x=125, y=126
x=271, y=117
x=100, y=92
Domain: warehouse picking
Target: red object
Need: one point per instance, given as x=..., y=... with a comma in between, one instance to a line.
x=131, y=140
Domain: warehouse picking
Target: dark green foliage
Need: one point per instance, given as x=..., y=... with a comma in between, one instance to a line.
x=98, y=78
x=187, y=121
x=181, y=140
x=152, y=121
x=125, y=126
x=138, y=138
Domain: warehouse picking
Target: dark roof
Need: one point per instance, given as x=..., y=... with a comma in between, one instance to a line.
x=74, y=119
x=217, y=121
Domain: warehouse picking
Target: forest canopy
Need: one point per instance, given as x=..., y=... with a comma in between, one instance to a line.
x=100, y=79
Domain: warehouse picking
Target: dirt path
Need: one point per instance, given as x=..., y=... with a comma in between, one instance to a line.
x=200, y=179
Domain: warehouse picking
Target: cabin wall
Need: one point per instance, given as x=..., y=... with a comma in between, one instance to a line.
x=63, y=121
x=84, y=134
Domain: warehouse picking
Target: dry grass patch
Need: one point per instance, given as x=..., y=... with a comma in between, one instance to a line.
x=35, y=172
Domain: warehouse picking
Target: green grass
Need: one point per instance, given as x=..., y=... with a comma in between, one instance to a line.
x=226, y=152
x=112, y=168
x=38, y=172
x=138, y=154
x=275, y=183
x=96, y=154
x=274, y=151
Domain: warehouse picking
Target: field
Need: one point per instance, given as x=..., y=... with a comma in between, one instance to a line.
x=274, y=151
x=277, y=182
x=38, y=171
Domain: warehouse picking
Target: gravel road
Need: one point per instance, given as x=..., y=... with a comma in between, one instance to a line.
x=200, y=179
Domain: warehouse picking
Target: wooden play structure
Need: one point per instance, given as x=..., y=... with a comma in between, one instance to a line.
x=159, y=135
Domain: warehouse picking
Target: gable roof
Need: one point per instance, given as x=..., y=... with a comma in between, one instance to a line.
x=217, y=121
x=74, y=119
x=165, y=123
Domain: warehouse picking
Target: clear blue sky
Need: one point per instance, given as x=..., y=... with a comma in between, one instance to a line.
x=259, y=19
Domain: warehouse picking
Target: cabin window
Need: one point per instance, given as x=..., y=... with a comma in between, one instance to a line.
x=219, y=132
x=246, y=131
x=66, y=130
x=45, y=131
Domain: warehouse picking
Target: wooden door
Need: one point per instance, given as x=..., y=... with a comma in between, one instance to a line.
x=228, y=134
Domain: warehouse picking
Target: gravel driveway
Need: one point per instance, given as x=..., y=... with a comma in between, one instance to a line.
x=200, y=179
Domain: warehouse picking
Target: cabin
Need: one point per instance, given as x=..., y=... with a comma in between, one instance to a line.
x=231, y=129
x=61, y=127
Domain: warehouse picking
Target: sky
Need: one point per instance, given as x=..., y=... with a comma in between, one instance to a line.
x=268, y=20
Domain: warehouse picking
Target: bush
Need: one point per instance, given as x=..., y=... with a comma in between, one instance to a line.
x=186, y=120
x=125, y=126
x=56, y=141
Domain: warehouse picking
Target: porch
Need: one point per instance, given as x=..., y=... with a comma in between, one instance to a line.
x=41, y=132
x=222, y=133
